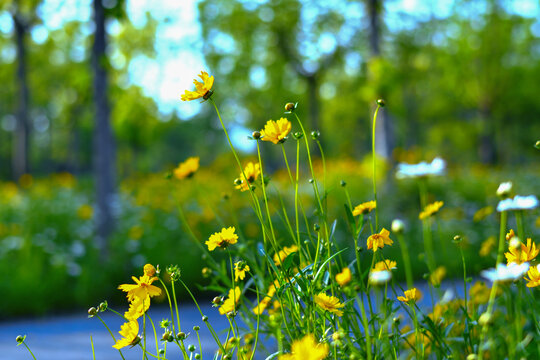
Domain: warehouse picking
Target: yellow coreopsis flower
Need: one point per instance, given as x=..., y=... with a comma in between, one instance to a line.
x=306, y=348
x=203, y=89
x=222, y=239
x=141, y=289
x=510, y=234
x=276, y=131
x=130, y=335
x=230, y=304
x=240, y=269
x=411, y=296
x=482, y=213
x=282, y=254
x=431, y=209
x=344, y=277
x=487, y=246
x=187, y=168
x=534, y=276
x=385, y=265
x=437, y=276
x=364, y=208
x=251, y=172
x=376, y=241
x=149, y=270
x=329, y=303
x=526, y=253
x=85, y=212
x=479, y=293
x=137, y=308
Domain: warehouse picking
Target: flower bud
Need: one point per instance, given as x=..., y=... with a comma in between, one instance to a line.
x=237, y=181
x=515, y=243
x=204, y=318
x=166, y=336
x=217, y=301
x=191, y=348
x=231, y=314
x=161, y=351
x=315, y=134
x=505, y=189
x=457, y=239
x=92, y=312
x=537, y=144
x=381, y=102
x=290, y=106
x=181, y=335
x=398, y=226
x=103, y=306
x=342, y=183
x=20, y=339
x=298, y=135
x=196, y=328
x=256, y=135
x=198, y=356
x=206, y=272
x=472, y=357
x=485, y=319
x=310, y=181
x=316, y=227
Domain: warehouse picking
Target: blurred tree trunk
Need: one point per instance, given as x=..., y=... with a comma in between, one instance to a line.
x=104, y=149
x=21, y=141
x=383, y=145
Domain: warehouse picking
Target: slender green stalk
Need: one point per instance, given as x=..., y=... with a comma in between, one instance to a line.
x=31, y=353
x=365, y=324
x=110, y=332
x=374, y=160
x=155, y=335
x=494, y=288
x=406, y=260
x=93, y=351
x=263, y=186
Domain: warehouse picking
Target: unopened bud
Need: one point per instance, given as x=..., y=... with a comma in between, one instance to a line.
x=103, y=306
x=237, y=181
x=472, y=357
x=204, y=318
x=181, y=335
x=398, y=226
x=196, y=328
x=315, y=134
x=457, y=239
x=290, y=106
x=20, y=339
x=485, y=319
x=342, y=183
x=316, y=227
x=92, y=312
x=256, y=135
x=298, y=135
x=381, y=102
x=191, y=348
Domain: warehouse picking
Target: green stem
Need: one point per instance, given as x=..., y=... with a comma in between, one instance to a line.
x=406, y=260
x=31, y=353
x=374, y=160
x=110, y=332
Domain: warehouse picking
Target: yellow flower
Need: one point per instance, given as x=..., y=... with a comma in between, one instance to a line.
x=510, y=235
x=141, y=289
x=411, y=296
x=385, y=265
x=203, y=89
x=276, y=131
x=149, y=270
x=431, y=209
x=240, y=269
x=251, y=172
x=344, y=277
x=136, y=232
x=187, y=168
x=230, y=304
x=526, y=253
x=276, y=306
x=482, y=213
x=282, y=254
x=364, y=208
x=534, y=276
x=306, y=348
x=436, y=276
x=261, y=306
x=376, y=241
x=329, y=303
x=137, y=308
x=222, y=239
x=487, y=246
x=479, y=293
x=130, y=335
x=85, y=212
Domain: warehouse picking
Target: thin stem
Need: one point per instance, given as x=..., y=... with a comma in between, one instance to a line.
x=31, y=353
x=406, y=260
x=110, y=332
x=375, y=167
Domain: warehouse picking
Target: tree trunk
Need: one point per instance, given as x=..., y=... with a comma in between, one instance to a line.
x=104, y=149
x=21, y=143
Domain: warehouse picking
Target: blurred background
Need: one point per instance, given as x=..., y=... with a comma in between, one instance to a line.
x=91, y=121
